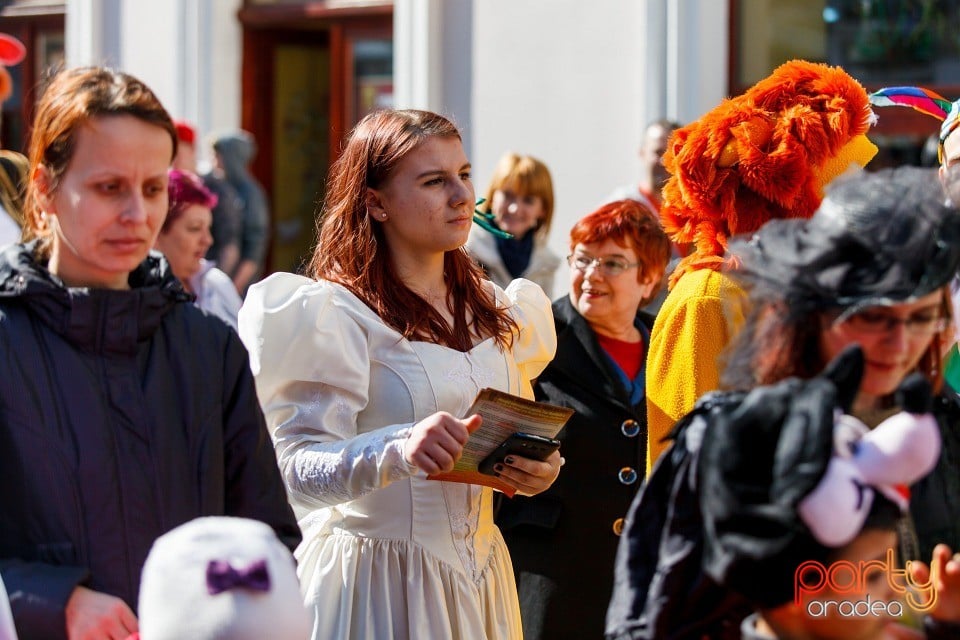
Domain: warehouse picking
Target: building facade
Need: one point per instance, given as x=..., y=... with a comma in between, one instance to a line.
x=571, y=82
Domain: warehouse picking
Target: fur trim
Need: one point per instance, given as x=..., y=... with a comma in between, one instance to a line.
x=753, y=157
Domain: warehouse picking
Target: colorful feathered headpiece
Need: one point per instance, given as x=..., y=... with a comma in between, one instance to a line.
x=924, y=101
x=765, y=154
x=918, y=98
x=950, y=122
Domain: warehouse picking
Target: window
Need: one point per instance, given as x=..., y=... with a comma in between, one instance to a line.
x=371, y=78
x=879, y=42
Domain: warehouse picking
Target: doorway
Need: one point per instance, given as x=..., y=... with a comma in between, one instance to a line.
x=308, y=77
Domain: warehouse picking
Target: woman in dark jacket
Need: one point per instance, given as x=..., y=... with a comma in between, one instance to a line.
x=124, y=410
x=563, y=542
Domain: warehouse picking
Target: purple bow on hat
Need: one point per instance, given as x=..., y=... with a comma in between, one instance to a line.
x=221, y=576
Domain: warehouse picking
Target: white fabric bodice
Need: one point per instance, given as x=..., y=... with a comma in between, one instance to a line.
x=341, y=391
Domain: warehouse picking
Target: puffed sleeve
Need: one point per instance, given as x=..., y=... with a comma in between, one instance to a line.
x=536, y=344
x=311, y=363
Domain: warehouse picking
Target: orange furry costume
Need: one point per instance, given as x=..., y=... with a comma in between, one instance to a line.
x=765, y=154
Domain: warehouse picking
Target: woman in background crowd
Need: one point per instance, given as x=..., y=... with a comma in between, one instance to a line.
x=520, y=197
x=185, y=238
x=563, y=541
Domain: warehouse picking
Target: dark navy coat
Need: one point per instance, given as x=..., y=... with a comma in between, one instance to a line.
x=122, y=415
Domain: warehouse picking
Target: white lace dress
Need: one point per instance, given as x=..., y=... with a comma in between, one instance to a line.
x=386, y=552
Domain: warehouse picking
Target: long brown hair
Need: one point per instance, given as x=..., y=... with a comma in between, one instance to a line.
x=352, y=249
x=70, y=99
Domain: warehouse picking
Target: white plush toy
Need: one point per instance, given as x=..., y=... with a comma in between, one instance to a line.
x=896, y=453
x=7, y=630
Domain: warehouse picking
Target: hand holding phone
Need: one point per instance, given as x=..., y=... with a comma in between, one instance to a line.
x=522, y=444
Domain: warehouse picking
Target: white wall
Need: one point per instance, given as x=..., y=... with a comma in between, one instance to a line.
x=189, y=52
x=697, y=34
x=93, y=32
x=145, y=28
x=223, y=49
x=568, y=81
x=561, y=80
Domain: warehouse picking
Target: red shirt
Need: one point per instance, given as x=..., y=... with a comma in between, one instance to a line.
x=628, y=355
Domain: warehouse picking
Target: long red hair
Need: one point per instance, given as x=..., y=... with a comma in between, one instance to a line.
x=352, y=249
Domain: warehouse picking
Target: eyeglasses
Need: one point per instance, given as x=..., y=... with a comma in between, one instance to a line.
x=609, y=267
x=872, y=321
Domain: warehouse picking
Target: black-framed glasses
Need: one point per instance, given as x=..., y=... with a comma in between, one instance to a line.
x=875, y=321
x=610, y=267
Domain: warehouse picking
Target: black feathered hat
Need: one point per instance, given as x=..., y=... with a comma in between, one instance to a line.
x=877, y=239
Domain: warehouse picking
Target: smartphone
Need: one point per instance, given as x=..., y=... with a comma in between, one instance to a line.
x=527, y=445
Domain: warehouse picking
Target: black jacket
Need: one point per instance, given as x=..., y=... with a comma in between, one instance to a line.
x=122, y=415
x=563, y=541
x=661, y=589
x=935, y=499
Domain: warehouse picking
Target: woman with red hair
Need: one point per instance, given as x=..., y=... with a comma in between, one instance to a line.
x=185, y=238
x=563, y=542
x=366, y=370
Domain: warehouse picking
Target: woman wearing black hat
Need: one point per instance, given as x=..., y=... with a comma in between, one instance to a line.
x=871, y=268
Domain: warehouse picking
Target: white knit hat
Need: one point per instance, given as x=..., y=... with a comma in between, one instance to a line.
x=216, y=578
x=7, y=631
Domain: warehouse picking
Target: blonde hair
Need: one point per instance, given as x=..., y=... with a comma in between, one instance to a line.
x=527, y=176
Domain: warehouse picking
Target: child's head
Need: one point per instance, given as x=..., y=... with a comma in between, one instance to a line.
x=831, y=608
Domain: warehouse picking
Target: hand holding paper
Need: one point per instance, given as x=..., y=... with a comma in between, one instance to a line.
x=435, y=444
x=504, y=414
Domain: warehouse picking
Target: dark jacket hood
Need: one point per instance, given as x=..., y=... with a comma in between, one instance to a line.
x=236, y=150
x=101, y=320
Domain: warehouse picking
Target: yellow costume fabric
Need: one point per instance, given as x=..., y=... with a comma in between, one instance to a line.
x=694, y=325
x=766, y=154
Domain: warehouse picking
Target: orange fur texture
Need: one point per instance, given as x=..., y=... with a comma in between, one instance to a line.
x=775, y=133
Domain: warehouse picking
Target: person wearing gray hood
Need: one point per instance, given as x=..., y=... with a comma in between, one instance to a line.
x=234, y=151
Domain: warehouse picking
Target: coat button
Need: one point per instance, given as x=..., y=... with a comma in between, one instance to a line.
x=627, y=475
x=630, y=428
x=618, y=526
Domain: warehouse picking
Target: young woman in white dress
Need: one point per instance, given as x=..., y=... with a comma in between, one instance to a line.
x=366, y=370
